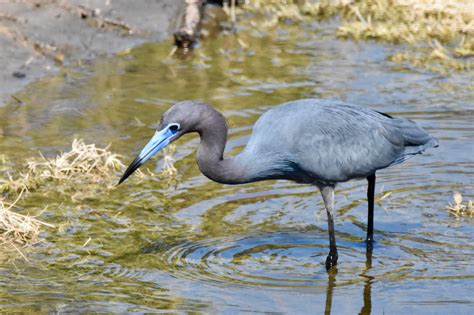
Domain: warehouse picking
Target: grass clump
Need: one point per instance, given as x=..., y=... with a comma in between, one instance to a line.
x=84, y=169
x=439, y=58
x=83, y=172
x=276, y=11
x=84, y=163
x=445, y=28
x=408, y=21
x=442, y=31
x=18, y=230
x=458, y=209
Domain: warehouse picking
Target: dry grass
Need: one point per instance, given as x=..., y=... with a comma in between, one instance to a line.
x=275, y=11
x=168, y=169
x=446, y=25
x=458, y=209
x=18, y=230
x=84, y=162
x=85, y=168
x=408, y=21
x=80, y=173
x=439, y=58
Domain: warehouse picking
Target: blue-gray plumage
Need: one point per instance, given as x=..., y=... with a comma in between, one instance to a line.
x=310, y=141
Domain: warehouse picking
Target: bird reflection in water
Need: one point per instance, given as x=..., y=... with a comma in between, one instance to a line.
x=367, y=297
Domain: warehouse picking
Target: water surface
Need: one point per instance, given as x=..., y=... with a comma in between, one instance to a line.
x=199, y=246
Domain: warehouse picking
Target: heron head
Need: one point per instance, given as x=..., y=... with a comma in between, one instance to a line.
x=181, y=118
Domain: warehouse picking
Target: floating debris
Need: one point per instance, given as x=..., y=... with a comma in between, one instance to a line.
x=458, y=210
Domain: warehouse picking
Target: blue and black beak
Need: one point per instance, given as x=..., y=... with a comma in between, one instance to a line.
x=159, y=140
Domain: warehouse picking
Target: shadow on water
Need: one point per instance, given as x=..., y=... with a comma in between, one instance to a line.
x=260, y=248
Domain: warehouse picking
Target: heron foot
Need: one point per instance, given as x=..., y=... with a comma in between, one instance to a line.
x=331, y=260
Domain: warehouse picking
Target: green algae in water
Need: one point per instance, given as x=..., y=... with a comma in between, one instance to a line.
x=81, y=173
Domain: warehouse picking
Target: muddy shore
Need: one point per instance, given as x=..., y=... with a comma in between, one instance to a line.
x=37, y=38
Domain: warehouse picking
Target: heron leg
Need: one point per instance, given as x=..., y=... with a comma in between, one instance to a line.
x=328, y=197
x=370, y=220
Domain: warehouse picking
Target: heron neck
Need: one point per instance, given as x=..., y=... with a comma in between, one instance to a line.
x=210, y=156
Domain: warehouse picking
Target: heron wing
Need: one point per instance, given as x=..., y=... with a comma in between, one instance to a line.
x=333, y=141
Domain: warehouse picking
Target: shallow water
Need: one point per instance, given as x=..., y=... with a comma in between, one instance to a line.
x=199, y=246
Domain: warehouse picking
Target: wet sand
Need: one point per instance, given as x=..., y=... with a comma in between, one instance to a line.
x=37, y=38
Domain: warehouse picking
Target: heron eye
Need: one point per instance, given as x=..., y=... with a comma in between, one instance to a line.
x=174, y=127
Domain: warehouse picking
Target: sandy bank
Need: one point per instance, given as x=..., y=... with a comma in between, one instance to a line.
x=38, y=37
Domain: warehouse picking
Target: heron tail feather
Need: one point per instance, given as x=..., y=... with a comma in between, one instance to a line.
x=416, y=140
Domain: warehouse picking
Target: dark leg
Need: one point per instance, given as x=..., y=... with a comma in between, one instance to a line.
x=370, y=220
x=328, y=196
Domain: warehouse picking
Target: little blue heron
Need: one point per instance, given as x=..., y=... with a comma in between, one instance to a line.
x=309, y=141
